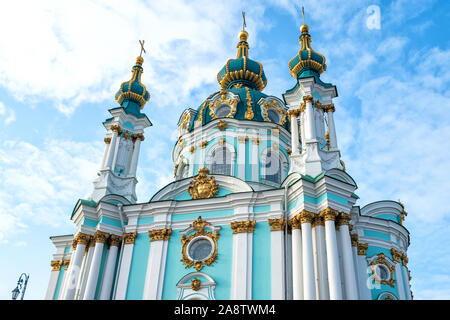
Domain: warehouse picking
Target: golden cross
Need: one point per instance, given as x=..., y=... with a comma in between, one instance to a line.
x=142, y=47
x=303, y=13
x=243, y=21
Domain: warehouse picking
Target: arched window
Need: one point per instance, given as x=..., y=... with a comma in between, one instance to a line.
x=221, y=161
x=272, y=168
x=273, y=115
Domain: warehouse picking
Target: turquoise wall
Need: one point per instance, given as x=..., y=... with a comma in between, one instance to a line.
x=261, y=265
x=371, y=252
x=220, y=270
x=59, y=282
x=138, y=267
x=100, y=274
x=204, y=215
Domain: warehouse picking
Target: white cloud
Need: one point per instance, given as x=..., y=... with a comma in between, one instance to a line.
x=9, y=114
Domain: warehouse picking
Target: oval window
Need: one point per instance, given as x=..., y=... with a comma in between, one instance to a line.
x=273, y=115
x=200, y=249
x=223, y=110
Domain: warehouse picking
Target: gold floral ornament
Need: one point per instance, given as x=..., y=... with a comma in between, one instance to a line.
x=195, y=284
x=202, y=187
x=199, y=226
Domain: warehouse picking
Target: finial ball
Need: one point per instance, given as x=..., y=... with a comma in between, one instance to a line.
x=243, y=35
x=304, y=28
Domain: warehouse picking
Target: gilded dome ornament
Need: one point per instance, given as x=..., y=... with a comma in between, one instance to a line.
x=202, y=187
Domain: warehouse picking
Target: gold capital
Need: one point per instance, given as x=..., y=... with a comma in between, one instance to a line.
x=242, y=139
x=66, y=264
x=81, y=238
x=277, y=224
x=160, y=234
x=256, y=141
x=396, y=255
x=362, y=248
x=115, y=240
x=308, y=98
x=293, y=223
x=305, y=216
x=343, y=219
x=129, y=237
x=318, y=221
x=56, y=265
x=222, y=125
x=243, y=226
x=107, y=140
x=329, y=214
x=100, y=236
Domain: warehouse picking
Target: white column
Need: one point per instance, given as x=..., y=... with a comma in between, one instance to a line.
x=241, y=273
x=85, y=266
x=278, y=270
x=334, y=276
x=295, y=143
x=191, y=163
x=321, y=260
x=354, y=239
x=125, y=264
x=255, y=159
x=75, y=265
x=364, y=288
x=302, y=130
x=62, y=290
x=105, y=154
x=406, y=277
x=297, y=270
x=289, y=266
x=135, y=158
x=92, y=277
x=108, y=275
x=310, y=129
x=156, y=265
x=241, y=157
x=347, y=258
x=399, y=278
x=331, y=127
x=309, y=283
x=112, y=148
x=54, y=275
x=116, y=151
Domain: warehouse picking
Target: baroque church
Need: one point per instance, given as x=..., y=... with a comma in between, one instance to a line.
x=261, y=206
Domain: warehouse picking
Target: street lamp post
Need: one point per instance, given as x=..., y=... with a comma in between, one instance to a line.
x=21, y=286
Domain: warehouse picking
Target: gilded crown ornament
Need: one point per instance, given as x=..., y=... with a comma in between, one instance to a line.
x=202, y=187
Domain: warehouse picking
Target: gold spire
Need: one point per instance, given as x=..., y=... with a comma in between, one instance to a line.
x=243, y=36
x=304, y=28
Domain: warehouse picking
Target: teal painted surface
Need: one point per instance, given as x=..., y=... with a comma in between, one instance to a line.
x=317, y=200
x=204, y=215
x=377, y=235
x=371, y=252
x=391, y=217
x=145, y=220
x=67, y=249
x=261, y=209
x=336, y=198
x=59, y=282
x=295, y=202
x=261, y=279
x=219, y=271
x=100, y=273
x=111, y=222
x=183, y=196
x=138, y=267
x=128, y=125
x=89, y=222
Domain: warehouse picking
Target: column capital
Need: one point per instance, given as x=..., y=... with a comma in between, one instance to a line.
x=243, y=226
x=328, y=107
x=256, y=140
x=329, y=214
x=56, y=265
x=242, y=139
x=100, y=236
x=396, y=255
x=302, y=107
x=293, y=113
x=308, y=98
x=129, y=237
x=318, y=105
x=222, y=124
x=115, y=240
x=160, y=234
x=404, y=259
x=318, y=221
x=343, y=219
x=293, y=223
x=137, y=136
x=277, y=224
x=354, y=238
x=116, y=128
x=305, y=216
x=192, y=149
x=107, y=140
x=362, y=248
x=82, y=238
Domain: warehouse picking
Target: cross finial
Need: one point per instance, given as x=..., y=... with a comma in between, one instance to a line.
x=142, y=47
x=243, y=21
x=303, y=13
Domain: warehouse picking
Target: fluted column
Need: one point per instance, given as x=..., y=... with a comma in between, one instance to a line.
x=156, y=264
x=320, y=256
x=310, y=123
x=125, y=264
x=278, y=268
x=54, y=275
x=396, y=256
x=331, y=127
x=100, y=238
x=297, y=269
x=134, y=159
x=295, y=143
x=334, y=274
x=309, y=285
x=108, y=275
x=79, y=244
x=347, y=256
x=364, y=280
x=241, y=273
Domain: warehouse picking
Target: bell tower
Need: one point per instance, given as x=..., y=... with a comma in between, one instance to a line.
x=124, y=134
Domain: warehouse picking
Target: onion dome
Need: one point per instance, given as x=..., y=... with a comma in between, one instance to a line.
x=307, y=60
x=242, y=69
x=133, y=94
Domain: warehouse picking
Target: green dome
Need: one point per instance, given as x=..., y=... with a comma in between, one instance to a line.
x=133, y=94
x=242, y=69
x=307, y=59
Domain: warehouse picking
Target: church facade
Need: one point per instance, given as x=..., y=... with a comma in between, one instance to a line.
x=261, y=205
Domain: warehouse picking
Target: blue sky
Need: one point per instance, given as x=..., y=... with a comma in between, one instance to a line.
x=61, y=64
